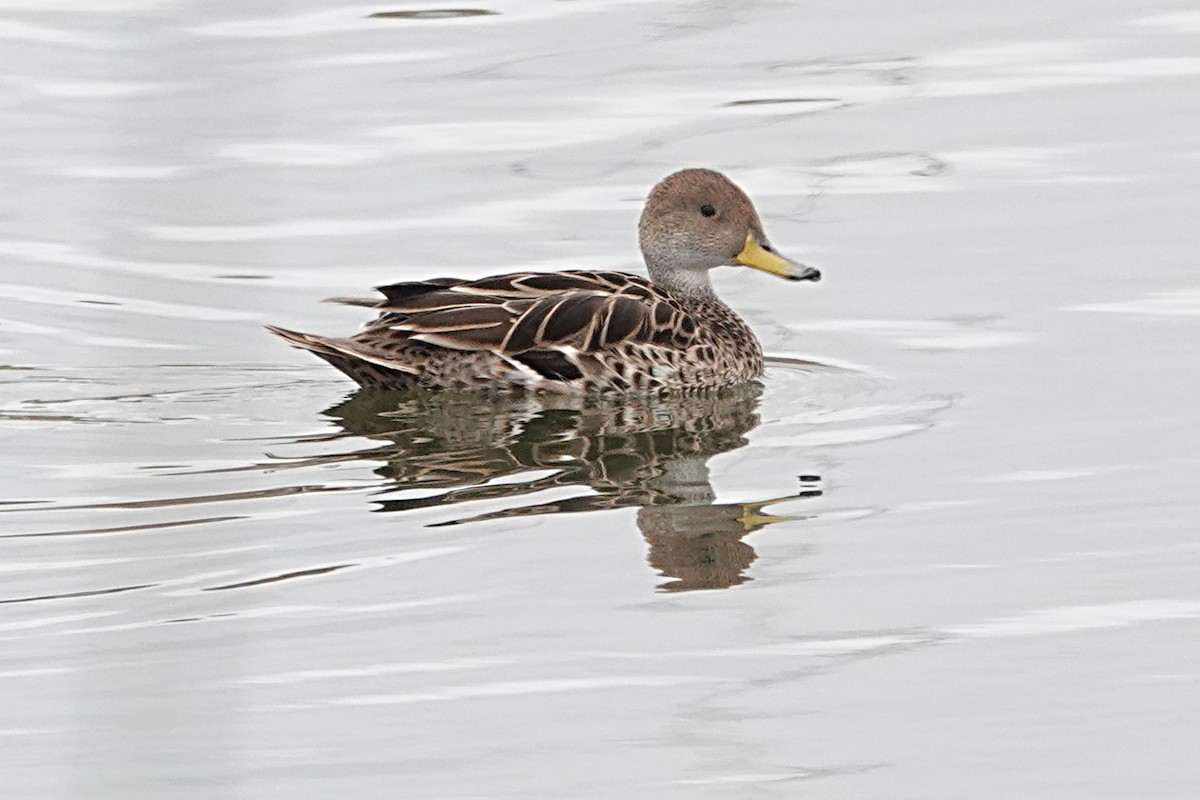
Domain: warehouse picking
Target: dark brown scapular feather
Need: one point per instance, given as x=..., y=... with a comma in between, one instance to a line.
x=663, y=314
x=524, y=334
x=405, y=290
x=479, y=338
x=569, y=320
x=595, y=340
x=498, y=286
x=555, y=282
x=611, y=281
x=631, y=285
x=626, y=318
x=434, y=301
x=457, y=318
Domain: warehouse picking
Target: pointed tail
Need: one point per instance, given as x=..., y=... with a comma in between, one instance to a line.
x=305, y=341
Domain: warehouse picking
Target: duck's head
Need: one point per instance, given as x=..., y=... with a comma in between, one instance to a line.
x=697, y=219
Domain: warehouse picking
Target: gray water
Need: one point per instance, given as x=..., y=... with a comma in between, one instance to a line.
x=949, y=549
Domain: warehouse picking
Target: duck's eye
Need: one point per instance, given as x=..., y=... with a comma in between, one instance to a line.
x=707, y=210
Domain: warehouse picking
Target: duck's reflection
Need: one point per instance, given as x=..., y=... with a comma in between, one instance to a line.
x=650, y=453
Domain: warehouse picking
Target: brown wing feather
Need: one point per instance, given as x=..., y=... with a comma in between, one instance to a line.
x=399, y=293
x=548, y=315
x=457, y=318
x=464, y=327
x=555, y=282
x=627, y=319
x=413, y=297
x=435, y=301
x=569, y=320
x=576, y=319
x=526, y=330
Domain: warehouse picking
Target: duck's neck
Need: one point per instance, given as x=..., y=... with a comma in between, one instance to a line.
x=691, y=284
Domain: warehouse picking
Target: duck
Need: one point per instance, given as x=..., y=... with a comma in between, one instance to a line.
x=579, y=331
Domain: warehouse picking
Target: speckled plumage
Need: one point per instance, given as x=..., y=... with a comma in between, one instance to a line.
x=579, y=331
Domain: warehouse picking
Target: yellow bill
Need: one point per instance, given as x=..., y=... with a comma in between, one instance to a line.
x=757, y=255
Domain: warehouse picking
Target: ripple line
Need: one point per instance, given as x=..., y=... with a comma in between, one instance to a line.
x=285, y=576
x=69, y=595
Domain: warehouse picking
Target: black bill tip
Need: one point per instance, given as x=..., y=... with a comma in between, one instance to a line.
x=806, y=274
